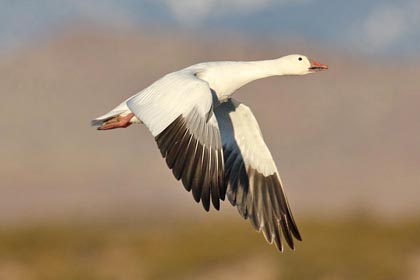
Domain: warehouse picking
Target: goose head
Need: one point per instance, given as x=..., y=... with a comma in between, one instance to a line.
x=297, y=64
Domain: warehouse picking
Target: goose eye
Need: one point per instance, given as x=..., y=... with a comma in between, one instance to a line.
x=300, y=59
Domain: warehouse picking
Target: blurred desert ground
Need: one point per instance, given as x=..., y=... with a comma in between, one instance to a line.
x=76, y=203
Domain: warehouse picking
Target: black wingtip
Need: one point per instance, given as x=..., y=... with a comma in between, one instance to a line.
x=297, y=236
x=191, y=161
x=206, y=206
x=216, y=206
x=294, y=228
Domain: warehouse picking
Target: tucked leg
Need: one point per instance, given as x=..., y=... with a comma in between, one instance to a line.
x=117, y=122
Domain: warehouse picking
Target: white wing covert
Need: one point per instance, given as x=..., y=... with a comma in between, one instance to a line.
x=254, y=185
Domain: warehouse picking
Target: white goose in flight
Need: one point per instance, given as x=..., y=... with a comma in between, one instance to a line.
x=212, y=142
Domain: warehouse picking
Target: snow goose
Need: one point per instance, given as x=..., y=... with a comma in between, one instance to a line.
x=212, y=142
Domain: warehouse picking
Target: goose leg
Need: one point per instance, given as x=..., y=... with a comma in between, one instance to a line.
x=117, y=122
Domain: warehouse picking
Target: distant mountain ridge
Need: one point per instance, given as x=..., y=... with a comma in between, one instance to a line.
x=344, y=140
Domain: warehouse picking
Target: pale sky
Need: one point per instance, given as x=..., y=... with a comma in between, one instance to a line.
x=376, y=27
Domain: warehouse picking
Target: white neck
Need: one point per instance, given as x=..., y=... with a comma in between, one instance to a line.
x=226, y=77
x=262, y=69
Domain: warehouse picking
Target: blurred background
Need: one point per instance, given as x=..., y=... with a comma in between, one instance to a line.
x=76, y=203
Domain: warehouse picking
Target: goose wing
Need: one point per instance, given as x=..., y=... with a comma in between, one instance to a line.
x=178, y=110
x=254, y=185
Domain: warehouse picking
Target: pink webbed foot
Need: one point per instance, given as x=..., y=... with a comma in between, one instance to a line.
x=117, y=122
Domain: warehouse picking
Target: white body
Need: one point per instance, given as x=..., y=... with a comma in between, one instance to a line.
x=223, y=77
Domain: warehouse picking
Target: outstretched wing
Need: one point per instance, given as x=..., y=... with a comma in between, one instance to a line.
x=254, y=185
x=178, y=110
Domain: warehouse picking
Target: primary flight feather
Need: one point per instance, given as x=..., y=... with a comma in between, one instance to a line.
x=212, y=142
